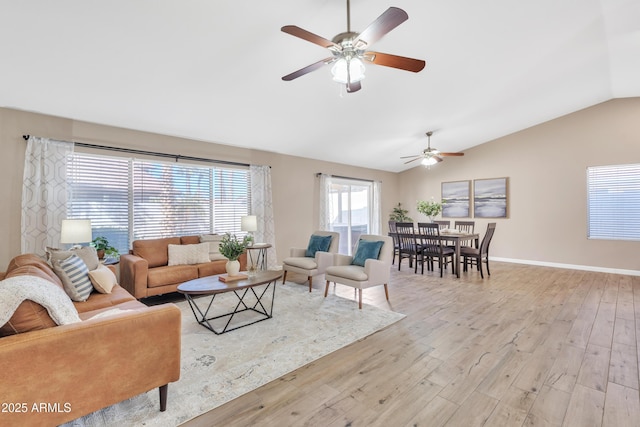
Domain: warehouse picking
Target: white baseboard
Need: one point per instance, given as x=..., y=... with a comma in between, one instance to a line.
x=570, y=266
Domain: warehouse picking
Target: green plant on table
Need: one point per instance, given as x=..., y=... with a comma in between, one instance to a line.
x=102, y=244
x=430, y=208
x=231, y=247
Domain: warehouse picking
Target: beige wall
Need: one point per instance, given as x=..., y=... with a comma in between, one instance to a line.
x=295, y=186
x=546, y=166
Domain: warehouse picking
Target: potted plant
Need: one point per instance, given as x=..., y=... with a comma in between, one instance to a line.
x=231, y=248
x=430, y=209
x=398, y=214
x=103, y=247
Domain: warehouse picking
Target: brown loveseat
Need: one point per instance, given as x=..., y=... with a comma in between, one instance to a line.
x=145, y=272
x=54, y=374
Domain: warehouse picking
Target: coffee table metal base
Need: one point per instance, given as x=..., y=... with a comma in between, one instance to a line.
x=202, y=317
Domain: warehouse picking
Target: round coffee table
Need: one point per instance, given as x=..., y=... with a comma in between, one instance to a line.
x=211, y=285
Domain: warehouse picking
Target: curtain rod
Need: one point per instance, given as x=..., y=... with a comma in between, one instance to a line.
x=346, y=177
x=151, y=153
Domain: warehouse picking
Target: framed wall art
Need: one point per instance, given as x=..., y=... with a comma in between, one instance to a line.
x=456, y=199
x=490, y=198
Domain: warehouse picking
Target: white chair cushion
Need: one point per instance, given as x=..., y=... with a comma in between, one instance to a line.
x=351, y=272
x=301, y=262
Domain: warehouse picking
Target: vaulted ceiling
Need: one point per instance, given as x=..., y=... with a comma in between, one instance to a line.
x=211, y=70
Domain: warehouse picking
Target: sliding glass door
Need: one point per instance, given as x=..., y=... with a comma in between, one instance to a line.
x=351, y=210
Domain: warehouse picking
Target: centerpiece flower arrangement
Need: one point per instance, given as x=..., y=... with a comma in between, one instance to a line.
x=231, y=248
x=430, y=209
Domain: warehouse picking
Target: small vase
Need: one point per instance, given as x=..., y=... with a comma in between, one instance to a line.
x=233, y=267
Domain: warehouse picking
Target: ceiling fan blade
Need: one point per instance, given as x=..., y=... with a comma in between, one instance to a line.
x=450, y=154
x=409, y=161
x=415, y=155
x=438, y=158
x=308, y=69
x=401, y=62
x=353, y=87
x=310, y=37
x=386, y=22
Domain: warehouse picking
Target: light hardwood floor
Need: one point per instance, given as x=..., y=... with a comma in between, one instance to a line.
x=529, y=346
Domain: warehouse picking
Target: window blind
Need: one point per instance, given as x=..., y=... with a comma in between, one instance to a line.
x=128, y=199
x=613, y=202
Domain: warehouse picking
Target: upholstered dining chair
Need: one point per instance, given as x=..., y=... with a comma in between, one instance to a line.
x=476, y=256
x=315, y=258
x=369, y=266
x=432, y=247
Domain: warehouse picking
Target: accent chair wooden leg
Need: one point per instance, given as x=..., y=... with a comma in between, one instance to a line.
x=284, y=277
x=164, y=390
x=360, y=299
x=326, y=289
x=386, y=291
x=310, y=283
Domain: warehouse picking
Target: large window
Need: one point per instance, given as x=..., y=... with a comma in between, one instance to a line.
x=129, y=199
x=613, y=202
x=351, y=211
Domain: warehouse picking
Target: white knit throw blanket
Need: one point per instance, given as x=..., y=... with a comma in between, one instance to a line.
x=16, y=289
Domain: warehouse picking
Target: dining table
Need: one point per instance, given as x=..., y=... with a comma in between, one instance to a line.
x=451, y=237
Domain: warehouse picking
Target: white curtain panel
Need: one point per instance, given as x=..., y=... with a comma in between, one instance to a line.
x=376, y=226
x=44, y=193
x=325, y=202
x=262, y=208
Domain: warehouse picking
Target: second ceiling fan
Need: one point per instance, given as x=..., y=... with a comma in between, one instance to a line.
x=430, y=156
x=349, y=50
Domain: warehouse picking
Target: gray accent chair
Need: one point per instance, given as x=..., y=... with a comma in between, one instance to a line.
x=299, y=263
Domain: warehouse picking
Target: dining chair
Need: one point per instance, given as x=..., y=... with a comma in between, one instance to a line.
x=476, y=256
x=432, y=247
x=443, y=223
x=396, y=244
x=408, y=246
x=465, y=227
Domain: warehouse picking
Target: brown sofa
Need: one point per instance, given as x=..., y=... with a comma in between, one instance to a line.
x=145, y=272
x=54, y=374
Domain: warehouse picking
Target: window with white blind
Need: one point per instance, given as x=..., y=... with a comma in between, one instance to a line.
x=613, y=202
x=131, y=199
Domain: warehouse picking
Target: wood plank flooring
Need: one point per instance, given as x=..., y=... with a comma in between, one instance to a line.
x=528, y=346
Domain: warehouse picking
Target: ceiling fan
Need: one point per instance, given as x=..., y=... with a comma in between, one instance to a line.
x=348, y=50
x=430, y=156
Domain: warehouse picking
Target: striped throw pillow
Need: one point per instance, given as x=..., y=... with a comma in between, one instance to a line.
x=75, y=278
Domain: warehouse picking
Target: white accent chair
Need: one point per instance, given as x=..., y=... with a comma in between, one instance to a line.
x=374, y=273
x=298, y=262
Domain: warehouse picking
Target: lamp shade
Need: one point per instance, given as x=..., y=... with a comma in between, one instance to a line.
x=75, y=231
x=249, y=223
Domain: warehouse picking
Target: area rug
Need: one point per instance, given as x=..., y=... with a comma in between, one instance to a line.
x=218, y=368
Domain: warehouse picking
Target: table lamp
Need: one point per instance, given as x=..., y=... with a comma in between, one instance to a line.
x=249, y=223
x=75, y=231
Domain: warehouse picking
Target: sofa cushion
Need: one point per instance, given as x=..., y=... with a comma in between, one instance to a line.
x=103, y=279
x=189, y=240
x=188, y=254
x=171, y=275
x=87, y=254
x=212, y=268
x=214, y=246
x=123, y=305
x=98, y=301
x=75, y=277
x=318, y=243
x=155, y=251
x=37, y=263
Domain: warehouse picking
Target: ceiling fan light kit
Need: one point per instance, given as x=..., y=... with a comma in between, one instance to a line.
x=349, y=52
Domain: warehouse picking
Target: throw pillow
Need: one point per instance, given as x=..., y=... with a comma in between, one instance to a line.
x=75, y=278
x=88, y=254
x=214, y=245
x=188, y=254
x=318, y=243
x=103, y=279
x=367, y=249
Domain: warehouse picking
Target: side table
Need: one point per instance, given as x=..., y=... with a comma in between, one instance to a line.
x=261, y=257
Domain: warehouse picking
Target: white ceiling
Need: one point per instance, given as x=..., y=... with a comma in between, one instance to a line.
x=211, y=70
